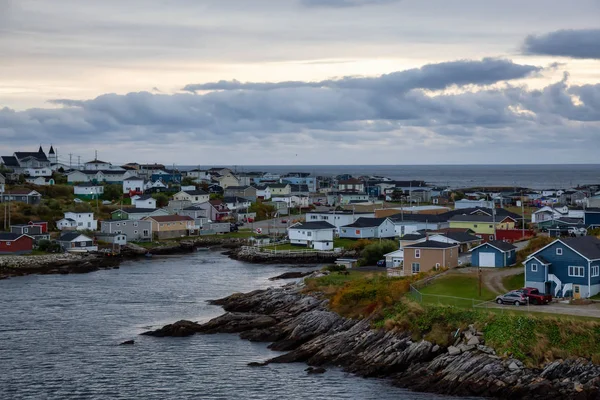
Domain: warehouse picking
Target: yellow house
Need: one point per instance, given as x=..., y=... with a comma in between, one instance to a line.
x=227, y=180
x=171, y=226
x=194, y=196
x=484, y=226
x=280, y=189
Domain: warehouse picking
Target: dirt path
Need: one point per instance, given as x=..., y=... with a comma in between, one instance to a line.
x=493, y=278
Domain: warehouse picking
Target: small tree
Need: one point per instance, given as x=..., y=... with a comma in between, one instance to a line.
x=375, y=251
x=112, y=192
x=162, y=200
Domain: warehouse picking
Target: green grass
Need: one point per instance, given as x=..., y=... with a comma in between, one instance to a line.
x=343, y=242
x=286, y=246
x=514, y=282
x=458, y=285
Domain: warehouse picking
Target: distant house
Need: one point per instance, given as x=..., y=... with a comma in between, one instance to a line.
x=167, y=176
x=246, y=192
x=226, y=180
x=484, y=226
x=412, y=223
x=428, y=255
x=592, y=218
x=236, y=203
x=369, y=228
x=35, y=231
x=171, y=226
x=78, y=220
x=134, y=185
x=42, y=224
x=216, y=210
x=494, y=254
x=337, y=218
x=194, y=196
x=40, y=181
x=465, y=203
x=566, y=268
x=97, y=165
x=2, y=183
x=351, y=185
x=88, y=190
x=27, y=196
x=395, y=259
x=465, y=241
x=134, y=230
x=111, y=238
x=15, y=243
x=317, y=235
x=137, y=213
x=277, y=189
x=263, y=192
x=194, y=212
x=143, y=201
x=76, y=242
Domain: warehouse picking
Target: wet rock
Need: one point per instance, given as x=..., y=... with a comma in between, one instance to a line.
x=178, y=329
x=127, y=342
x=318, y=370
x=291, y=275
x=453, y=351
x=256, y=364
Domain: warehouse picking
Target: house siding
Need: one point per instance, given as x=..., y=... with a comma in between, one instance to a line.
x=502, y=259
x=591, y=218
x=429, y=258
x=23, y=245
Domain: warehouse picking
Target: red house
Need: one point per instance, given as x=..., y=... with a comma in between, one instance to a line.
x=14, y=243
x=43, y=224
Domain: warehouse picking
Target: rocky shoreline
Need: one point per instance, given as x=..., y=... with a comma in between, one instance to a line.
x=302, y=326
x=252, y=255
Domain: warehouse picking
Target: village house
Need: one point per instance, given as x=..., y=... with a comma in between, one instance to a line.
x=97, y=165
x=466, y=203
x=368, y=228
x=194, y=196
x=76, y=242
x=35, y=231
x=112, y=176
x=77, y=221
x=317, y=235
x=263, y=192
x=167, y=176
x=592, y=217
x=236, y=203
x=464, y=241
x=198, y=175
x=494, y=254
x=143, y=201
x=292, y=201
x=137, y=213
x=246, y=192
x=337, y=218
x=302, y=179
x=351, y=185
x=195, y=212
x=226, y=180
x=88, y=190
x=42, y=224
x=15, y=243
x=216, y=210
x=134, y=230
x=484, y=226
x=40, y=181
x=118, y=239
x=171, y=226
x=134, y=185
x=428, y=255
x=38, y=172
x=2, y=183
x=279, y=189
x=410, y=223
x=395, y=259
x=566, y=268
x=27, y=196
x=20, y=161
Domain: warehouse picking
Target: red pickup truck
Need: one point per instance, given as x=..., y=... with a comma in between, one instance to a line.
x=535, y=297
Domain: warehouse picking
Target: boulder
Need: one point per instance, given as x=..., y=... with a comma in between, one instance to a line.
x=474, y=341
x=453, y=351
x=318, y=370
x=127, y=342
x=178, y=329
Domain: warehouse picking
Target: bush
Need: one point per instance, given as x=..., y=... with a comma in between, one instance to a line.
x=334, y=268
x=375, y=252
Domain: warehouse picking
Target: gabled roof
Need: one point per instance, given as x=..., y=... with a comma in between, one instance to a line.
x=351, y=181
x=431, y=244
x=462, y=237
x=278, y=185
x=10, y=161
x=366, y=222
x=22, y=192
x=313, y=225
x=170, y=218
x=10, y=237
x=413, y=236
x=235, y=199
x=70, y=236
x=144, y=197
x=97, y=162
x=475, y=218
x=397, y=218
x=588, y=246
x=39, y=155
x=195, y=192
x=87, y=184
x=244, y=187
x=498, y=244
x=134, y=178
x=136, y=210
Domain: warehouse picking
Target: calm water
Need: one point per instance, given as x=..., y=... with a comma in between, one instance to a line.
x=459, y=176
x=59, y=337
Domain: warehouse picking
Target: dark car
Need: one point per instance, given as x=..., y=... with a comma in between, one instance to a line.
x=515, y=298
x=233, y=228
x=534, y=296
x=381, y=263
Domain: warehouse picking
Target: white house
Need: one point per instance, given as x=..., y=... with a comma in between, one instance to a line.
x=2, y=183
x=336, y=218
x=194, y=196
x=88, y=190
x=466, y=203
x=292, y=200
x=410, y=223
x=76, y=242
x=97, y=165
x=198, y=174
x=40, y=181
x=263, y=192
x=317, y=235
x=134, y=184
x=112, y=238
x=235, y=203
x=394, y=259
x=78, y=220
x=369, y=228
x=548, y=213
x=35, y=172
x=143, y=201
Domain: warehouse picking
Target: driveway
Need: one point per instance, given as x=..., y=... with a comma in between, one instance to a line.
x=591, y=310
x=492, y=277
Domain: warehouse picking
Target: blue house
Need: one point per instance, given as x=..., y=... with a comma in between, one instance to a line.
x=494, y=254
x=567, y=267
x=591, y=217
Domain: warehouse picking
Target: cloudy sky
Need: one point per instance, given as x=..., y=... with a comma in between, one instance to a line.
x=204, y=82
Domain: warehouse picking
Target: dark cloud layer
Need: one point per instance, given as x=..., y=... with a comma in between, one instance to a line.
x=583, y=43
x=430, y=77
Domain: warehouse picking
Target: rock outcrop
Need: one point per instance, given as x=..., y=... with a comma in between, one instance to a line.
x=304, y=327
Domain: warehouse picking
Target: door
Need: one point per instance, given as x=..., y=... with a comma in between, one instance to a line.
x=548, y=288
x=487, y=259
x=396, y=262
x=576, y=292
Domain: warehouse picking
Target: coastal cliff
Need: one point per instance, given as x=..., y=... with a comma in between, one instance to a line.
x=304, y=327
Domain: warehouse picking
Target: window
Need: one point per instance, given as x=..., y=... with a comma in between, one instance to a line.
x=8, y=243
x=416, y=268
x=135, y=224
x=26, y=230
x=595, y=270
x=135, y=232
x=80, y=224
x=309, y=233
x=118, y=224
x=559, y=251
x=491, y=237
x=437, y=266
x=146, y=233
x=577, y=272
x=491, y=226
x=475, y=226
x=417, y=253
x=534, y=268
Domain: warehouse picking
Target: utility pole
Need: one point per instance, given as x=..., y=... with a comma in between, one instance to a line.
x=70, y=160
x=479, y=280
x=522, y=216
x=78, y=162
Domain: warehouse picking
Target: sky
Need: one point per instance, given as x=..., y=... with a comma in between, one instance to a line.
x=302, y=82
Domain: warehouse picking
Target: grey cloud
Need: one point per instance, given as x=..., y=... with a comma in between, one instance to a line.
x=344, y=3
x=431, y=77
x=583, y=43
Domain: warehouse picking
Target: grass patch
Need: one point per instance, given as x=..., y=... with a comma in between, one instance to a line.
x=458, y=285
x=514, y=282
x=347, y=244
x=286, y=246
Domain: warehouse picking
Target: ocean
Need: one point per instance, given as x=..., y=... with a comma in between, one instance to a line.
x=60, y=335
x=455, y=176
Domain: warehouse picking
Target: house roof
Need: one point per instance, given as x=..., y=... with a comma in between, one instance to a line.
x=278, y=185
x=136, y=210
x=234, y=199
x=244, y=187
x=170, y=218
x=366, y=222
x=462, y=237
x=9, y=236
x=313, y=225
x=474, y=218
x=588, y=246
x=134, y=178
x=22, y=192
x=419, y=218
x=38, y=155
x=87, y=184
x=498, y=244
x=195, y=192
x=144, y=197
x=352, y=181
x=69, y=236
x=10, y=161
x=412, y=236
x=431, y=244
x=97, y=162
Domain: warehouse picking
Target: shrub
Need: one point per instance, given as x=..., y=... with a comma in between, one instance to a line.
x=375, y=251
x=334, y=268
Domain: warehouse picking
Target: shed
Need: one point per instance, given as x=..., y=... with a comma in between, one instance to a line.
x=494, y=254
x=394, y=259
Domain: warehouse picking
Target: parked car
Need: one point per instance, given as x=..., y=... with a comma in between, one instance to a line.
x=534, y=296
x=233, y=228
x=381, y=263
x=514, y=297
x=78, y=200
x=284, y=221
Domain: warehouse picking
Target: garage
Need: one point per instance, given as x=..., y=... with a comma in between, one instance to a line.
x=494, y=254
x=487, y=259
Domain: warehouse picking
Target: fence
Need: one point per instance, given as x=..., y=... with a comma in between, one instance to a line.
x=259, y=250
